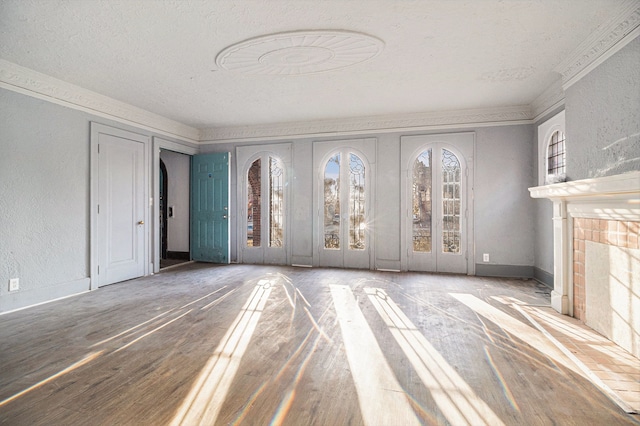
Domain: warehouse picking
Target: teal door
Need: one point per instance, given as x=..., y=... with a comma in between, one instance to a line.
x=210, y=208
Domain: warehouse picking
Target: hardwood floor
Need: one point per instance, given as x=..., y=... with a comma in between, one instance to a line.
x=244, y=344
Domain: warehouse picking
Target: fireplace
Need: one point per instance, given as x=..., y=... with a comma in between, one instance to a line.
x=596, y=254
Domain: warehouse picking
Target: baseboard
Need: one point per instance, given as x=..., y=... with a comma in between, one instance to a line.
x=387, y=265
x=506, y=271
x=22, y=299
x=182, y=255
x=543, y=276
x=302, y=260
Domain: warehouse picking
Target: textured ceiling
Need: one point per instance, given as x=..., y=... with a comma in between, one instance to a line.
x=436, y=55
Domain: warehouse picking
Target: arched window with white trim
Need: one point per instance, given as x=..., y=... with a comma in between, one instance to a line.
x=552, y=151
x=556, y=160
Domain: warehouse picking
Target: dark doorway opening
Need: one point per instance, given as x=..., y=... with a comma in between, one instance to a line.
x=164, y=189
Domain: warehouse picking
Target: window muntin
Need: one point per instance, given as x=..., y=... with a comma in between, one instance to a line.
x=451, y=220
x=421, y=207
x=276, y=204
x=556, y=154
x=332, y=203
x=357, y=224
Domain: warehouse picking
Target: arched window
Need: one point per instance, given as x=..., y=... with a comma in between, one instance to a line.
x=552, y=150
x=556, y=155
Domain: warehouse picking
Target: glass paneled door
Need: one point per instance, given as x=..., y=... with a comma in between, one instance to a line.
x=437, y=203
x=264, y=216
x=344, y=205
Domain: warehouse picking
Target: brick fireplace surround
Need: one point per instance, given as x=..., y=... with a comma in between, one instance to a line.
x=617, y=233
x=598, y=219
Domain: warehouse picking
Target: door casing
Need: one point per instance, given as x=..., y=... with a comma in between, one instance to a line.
x=100, y=133
x=158, y=145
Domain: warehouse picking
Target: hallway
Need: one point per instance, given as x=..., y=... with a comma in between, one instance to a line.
x=248, y=344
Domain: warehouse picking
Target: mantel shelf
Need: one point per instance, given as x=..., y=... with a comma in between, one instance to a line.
x=624, y=185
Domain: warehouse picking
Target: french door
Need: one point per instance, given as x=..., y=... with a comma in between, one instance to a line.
x=344, y=197
x=437, y=199
x=263, y=197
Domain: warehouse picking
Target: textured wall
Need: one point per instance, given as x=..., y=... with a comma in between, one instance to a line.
x=603, y=118
x=44, y=199
x=178, y=171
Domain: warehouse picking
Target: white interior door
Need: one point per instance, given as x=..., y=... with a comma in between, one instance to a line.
x=121, y=209
x=263, y=174
x=344, y=197
x=437, y=199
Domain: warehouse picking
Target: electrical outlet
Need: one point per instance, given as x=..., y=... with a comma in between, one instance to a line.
x=485, y=257
x=14, y=284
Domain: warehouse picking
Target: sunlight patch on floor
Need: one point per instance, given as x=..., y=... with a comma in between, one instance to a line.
x=87, y=359
x=382, y=400
x=455, y=398
x=202, y=404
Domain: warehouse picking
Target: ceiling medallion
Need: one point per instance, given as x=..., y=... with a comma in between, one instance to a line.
x=299, y=52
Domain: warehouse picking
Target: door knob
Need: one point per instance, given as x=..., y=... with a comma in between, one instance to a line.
x=141, y=222
x=224, y=217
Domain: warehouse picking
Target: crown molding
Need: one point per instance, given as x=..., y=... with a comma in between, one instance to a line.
x=372, y=124
x=548, y=101
x=32, y=83
x=602, y=44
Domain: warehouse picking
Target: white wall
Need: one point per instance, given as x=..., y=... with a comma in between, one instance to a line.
x=178, y=172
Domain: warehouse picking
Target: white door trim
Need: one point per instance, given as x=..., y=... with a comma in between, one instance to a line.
x=159, y=144
x=96, y=130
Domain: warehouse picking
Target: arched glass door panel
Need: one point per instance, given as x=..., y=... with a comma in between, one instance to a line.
x=276, y=206
x=332, y=203
x=357, y=221
x=421, y=207
x=451, y=201
x=254, y=206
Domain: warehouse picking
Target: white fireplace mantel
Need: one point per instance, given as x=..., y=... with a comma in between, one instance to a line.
x=611, y=197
